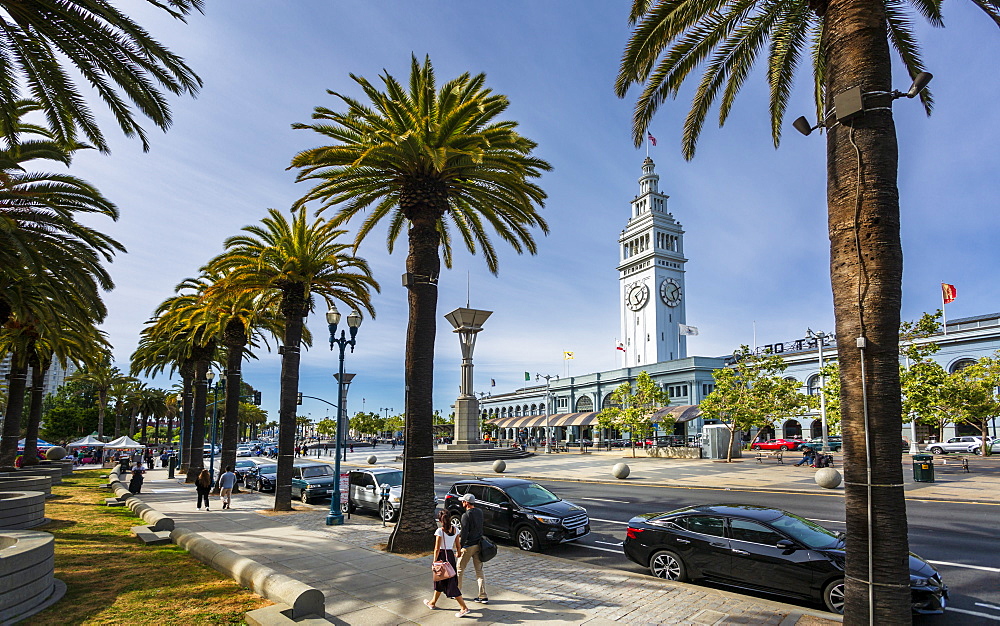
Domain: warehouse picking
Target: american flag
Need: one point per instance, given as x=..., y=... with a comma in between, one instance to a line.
x=651, y=138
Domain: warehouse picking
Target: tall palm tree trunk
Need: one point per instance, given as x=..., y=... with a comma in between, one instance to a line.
x=235, y=339
x=293, y=309
x=187, y=423
x=415, y=530
x=15, y=405
x=196, y=458
x=38, y=369
x=102, y=405
x=866, y=265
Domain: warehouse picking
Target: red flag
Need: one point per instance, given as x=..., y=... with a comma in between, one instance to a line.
x=652, y=139
x=620, y=346
x=948, y=293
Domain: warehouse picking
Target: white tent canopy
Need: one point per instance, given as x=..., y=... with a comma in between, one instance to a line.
x=123, y=443
x=89, y=441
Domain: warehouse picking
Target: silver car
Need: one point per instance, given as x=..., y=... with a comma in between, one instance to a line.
x=955, y=444
x=365, y=491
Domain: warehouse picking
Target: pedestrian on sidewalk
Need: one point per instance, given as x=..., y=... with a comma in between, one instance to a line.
x=472, y=534
x=135, y=485
x=226, y=483
x=203, y=484
x=444, y=550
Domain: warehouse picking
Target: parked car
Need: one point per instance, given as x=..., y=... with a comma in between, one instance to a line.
x=520, y=510
x=760, y=548
x=777, y=444
x=244, y=451
x=994, y=446
x=816, y=443
x=262, y=478
x=242, y=468
x=956, y=444
x=365, y=491
x=311, y=481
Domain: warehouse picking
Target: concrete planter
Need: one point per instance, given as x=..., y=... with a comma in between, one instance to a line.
x=55, y=473
x=27, y=582
x=21, y=510
x=26, y=483
x=674, y=453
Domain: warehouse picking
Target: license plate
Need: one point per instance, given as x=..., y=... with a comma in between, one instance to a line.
x=580, y=530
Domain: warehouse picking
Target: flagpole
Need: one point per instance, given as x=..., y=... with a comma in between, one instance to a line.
x=944, y=311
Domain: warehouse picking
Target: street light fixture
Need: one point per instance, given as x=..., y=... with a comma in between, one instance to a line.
x=336, y=517
x=210, y=375
x=548, y=434
x=820, y=338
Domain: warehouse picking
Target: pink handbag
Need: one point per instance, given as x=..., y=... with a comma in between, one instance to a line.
x=442, y=570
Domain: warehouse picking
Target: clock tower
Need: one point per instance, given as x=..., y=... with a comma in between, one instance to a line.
x=651, y=277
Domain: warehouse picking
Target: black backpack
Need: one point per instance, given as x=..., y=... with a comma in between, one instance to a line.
x=487, y=549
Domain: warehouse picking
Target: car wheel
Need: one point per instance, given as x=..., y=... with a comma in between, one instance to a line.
x=937, y=450
x=978, y=451
x=347, y=507
x=527, y=539
x=387, y=512
x=755, y=447
x=456, y=522
x=304, y=497
x=783, y=448
x=667, y=565
x=833, y=596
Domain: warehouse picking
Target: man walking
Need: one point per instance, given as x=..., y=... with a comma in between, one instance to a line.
x=472, y=533
x=226, y=483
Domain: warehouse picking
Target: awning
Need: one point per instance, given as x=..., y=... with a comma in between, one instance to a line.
x=123, y=443
x=682, y=413
x=89, y=441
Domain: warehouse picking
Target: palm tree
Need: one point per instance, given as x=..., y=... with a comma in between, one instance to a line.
x=285, y=265
x=114, y=54
x=425, y=161
x=104, y=377
x=848, y=42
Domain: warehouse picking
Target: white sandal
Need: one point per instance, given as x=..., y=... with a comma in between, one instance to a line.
x=430, y=605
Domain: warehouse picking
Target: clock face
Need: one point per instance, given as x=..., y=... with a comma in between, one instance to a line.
x=670, y=292
x=637, y=297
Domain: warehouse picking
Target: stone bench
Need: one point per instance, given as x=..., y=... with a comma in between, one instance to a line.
x=21, y=510
x=26, y=483
x=27, y=580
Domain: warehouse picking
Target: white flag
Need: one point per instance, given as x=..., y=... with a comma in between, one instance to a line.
x=687, y=331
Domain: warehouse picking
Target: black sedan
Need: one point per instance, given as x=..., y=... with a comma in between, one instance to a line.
x=760, y=548
x=262, y=478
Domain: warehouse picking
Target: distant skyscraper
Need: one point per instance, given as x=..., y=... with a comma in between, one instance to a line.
x=54, y=378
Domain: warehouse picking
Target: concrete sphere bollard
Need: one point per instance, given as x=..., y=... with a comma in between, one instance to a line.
x=372, y=460
x=55, y=453
x=828, y=478
x=620, y=471
x=499, y=466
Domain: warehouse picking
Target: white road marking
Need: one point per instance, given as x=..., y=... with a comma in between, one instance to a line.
x=604, y=500
x=608, y=521
x=583, y=545
x=988, y=606
x=952, y=609
x=609, y=543
x=979, y=567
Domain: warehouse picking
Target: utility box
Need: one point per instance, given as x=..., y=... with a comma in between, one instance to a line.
x=714, y=440
x=923, y=468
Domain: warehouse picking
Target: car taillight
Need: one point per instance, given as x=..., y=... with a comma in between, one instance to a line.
x=633, y=533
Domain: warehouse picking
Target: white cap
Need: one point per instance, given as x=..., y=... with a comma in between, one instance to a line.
x=471, y=499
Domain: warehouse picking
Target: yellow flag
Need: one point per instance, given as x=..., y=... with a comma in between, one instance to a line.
x=567, y=356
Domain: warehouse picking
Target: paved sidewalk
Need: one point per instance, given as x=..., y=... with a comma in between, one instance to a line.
x=364, y=585
x=952, y=483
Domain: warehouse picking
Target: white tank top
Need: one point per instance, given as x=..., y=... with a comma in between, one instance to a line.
x=447, y=541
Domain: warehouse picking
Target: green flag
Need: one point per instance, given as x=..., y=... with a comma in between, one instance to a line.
x=527, y=376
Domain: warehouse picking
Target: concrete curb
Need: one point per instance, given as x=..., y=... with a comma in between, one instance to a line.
x=262, y=580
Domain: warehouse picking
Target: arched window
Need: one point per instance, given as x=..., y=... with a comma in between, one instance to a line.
x=792, y=428
x=584, y=405
x=517, y=411
x=607, y=402
x=960, y=365
x=813, y=386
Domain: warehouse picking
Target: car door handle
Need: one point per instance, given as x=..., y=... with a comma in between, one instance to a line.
x=719, y=545
x=683, y=541
x=740, y=551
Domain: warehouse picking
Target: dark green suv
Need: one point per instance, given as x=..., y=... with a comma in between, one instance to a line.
x=311, y=481
x=816, y=443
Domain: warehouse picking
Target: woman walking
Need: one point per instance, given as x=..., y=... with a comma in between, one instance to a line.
x=445, y=539
x=203, y=484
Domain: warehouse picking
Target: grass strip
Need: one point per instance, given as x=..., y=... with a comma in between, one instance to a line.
x=113, y=579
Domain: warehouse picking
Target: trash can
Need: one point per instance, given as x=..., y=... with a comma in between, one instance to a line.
x=923, y=468
x=171, y=466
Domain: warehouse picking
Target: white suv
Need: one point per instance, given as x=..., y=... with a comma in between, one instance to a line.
x=956, y=444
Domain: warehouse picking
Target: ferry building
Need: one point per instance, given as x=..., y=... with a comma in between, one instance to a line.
x=652, y=305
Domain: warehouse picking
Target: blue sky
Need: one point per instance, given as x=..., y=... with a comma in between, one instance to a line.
x=755, y=216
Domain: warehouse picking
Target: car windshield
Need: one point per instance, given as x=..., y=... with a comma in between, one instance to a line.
x=316, y=472
x=268, y=469
x=245, y=463
x=531, y=495
x=393, y=479
x=805, y=532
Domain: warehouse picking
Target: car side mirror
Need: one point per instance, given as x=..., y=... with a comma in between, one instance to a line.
x=372, y=487
x=505, y=505
x=785, y=544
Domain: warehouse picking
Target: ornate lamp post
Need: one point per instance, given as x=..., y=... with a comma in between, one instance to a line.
x=336, y=517
x=548, y=391
x=210, y=375
x=820, y=337
x=467, y=323
x=342, y=428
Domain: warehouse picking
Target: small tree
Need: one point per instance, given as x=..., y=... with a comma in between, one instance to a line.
x=753, y=393
x=328, y=427
x=367, y=423
x=633, y=409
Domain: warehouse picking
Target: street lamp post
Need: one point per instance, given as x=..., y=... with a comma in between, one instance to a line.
x=468, y=323
x=336, y=517
x=210, y=375
x=548, y=434
x=345, y=382
x=820, y=337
